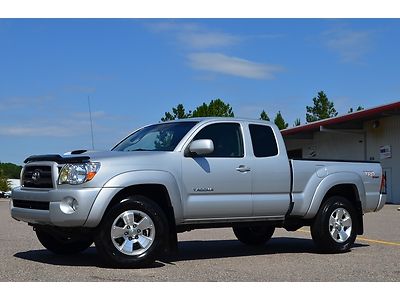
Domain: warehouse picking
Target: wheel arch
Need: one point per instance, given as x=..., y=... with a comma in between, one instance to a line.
x=346, y=185
x=160, y=187
x=156, y=192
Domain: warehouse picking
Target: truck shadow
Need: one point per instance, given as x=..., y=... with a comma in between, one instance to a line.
x=188, y=251
x=85, y=259
x=197, y=250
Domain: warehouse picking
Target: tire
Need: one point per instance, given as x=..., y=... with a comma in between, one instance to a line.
x=254, y=235
x=335, y=227
x=62, y=246
x=132, y=233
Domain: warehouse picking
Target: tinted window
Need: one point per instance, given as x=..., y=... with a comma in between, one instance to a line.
x=227, y=139
x=263, y=140
x=158, y=137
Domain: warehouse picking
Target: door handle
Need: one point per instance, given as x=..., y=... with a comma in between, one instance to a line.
x=243, y=169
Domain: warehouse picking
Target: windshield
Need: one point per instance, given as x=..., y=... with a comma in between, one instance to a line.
x=158, y=137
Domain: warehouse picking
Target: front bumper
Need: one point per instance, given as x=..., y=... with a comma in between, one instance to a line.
x=53, y=207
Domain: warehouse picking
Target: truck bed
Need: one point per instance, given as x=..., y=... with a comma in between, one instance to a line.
x=312, y=177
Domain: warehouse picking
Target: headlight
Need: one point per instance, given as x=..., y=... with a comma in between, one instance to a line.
x=78, y=173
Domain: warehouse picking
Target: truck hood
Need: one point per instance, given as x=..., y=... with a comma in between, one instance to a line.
x=117, y=155
x=79, y=156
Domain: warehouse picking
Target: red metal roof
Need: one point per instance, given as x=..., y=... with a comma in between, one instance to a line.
x=358, y=115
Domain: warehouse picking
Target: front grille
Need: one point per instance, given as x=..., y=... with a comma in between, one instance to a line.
x=37, y=177
x=40, y=205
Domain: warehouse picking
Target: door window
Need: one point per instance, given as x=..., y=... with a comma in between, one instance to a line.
x=263, y=140
x=227, y=139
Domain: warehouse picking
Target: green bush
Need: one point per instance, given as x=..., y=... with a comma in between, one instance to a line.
x=9, y=170
x=4, y=184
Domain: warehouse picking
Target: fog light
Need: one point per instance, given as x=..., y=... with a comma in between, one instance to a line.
x=69, y=205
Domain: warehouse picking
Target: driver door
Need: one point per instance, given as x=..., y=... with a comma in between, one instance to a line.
x=218, y=185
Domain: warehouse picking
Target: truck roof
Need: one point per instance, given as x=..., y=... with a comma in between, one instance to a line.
x=207, y=119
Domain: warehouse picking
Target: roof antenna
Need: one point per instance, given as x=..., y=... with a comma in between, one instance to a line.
x=91, y=123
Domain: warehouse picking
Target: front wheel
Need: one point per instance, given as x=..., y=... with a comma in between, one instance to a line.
x=254, y=235
x=132, y=233
x=335, y=227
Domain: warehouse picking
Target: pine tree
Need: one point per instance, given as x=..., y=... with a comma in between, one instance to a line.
x=4, y=183
x=264, y=116
x=322, y=109
x=280, y=122
x=358, y=109
x=216, y=108
x=177, y=113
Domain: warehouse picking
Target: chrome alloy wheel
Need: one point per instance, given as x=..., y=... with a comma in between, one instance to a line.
x=340, y=225
x=133, y=232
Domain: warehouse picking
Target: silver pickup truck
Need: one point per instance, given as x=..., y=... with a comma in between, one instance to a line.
x=177, y=176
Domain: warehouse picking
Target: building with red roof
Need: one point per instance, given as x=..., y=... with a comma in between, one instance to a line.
x=370, y=134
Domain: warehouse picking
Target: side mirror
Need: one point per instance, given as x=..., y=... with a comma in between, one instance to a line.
x=201, y=147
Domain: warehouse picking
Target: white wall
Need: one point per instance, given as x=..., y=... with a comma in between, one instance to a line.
x=328, y=145
x=388, y=133
x=14, y=183
x=364, y=146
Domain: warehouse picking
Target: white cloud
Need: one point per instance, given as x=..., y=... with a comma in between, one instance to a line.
x=16, y=102
x=168, y=26
x=37, y=131
x=230, y=65
x=351, y=45
x=85, y=115
x=73, y=125
x=193, y=35
x=203, y=40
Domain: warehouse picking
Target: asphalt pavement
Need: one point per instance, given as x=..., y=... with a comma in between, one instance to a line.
x=215, y=255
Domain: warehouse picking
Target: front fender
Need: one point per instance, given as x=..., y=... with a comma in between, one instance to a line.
x=329, y=182
x=132, y=178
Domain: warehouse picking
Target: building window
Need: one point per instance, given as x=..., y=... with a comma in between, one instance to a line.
x=296, y=153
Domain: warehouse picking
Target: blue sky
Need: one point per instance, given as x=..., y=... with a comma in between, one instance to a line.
x=136, y=69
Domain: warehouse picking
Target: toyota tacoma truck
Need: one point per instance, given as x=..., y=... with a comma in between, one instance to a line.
x=182, y=175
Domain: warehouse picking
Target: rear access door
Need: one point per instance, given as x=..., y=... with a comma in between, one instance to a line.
x=270, y=173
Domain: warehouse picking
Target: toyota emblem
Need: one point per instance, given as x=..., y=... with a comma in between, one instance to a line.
x=36, y=175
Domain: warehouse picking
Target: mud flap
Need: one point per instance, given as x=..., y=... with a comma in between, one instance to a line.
x=360, y=227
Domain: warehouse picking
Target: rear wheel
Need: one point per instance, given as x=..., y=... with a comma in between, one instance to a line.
x=62, y=245
x=132, y=233
x=254, y=235
x=335, y=227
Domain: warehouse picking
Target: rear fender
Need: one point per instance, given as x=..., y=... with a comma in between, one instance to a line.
x=331, y=181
